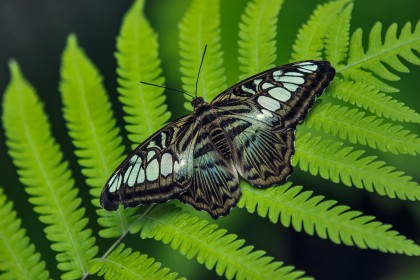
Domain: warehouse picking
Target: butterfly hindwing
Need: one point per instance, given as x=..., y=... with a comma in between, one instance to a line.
x=215, y=184
x=158, y=170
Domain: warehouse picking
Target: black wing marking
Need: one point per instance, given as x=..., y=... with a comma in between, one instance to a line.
x=288, y=90
x=158, y=170
x=215, y=184
x=262, y=154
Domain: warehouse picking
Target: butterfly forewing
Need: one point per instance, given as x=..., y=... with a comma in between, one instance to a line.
x=248, y=130
x=158, y=170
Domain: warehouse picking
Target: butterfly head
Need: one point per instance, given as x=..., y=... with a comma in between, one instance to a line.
x=197, y=102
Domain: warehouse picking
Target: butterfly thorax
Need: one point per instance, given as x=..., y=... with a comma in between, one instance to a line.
x=209, y=120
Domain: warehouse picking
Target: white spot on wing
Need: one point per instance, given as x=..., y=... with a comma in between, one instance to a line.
x=166, y=164
x=294, y=74
x=244, y=88
x=133, y=159
x=268, y=103
x=140, y=178
x=266, y=85
x=152, y=144
x=264, y=115
x=127, y=173
x=290, y=87
x=311, y=68
x=305, y=63
x=280, y=94
x=111, y=182
x=150, y=154
x=257, y=82
x=152, y=170
x=134, y=173
x=115, y=184
x=291, y=79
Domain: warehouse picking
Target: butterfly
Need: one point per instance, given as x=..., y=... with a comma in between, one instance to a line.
x=247, y=131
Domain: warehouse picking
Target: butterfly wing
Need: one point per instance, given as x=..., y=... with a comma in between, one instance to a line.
x=158, y=170
x=288, y=90
x=215, y=184
x=261, y=113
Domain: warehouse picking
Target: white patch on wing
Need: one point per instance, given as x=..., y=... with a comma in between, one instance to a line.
x=248, y=90
x=305, y=63
x=280, y=94
x=140, y=178
x=290, y=87
x=292, y=79
x=166, y=164
x=127, y=174
x=134, y=173
x=257, y=82
x=152, y=170
x=267, y=85
x=150, y=154
x=264, y=115
x=311, y=68
x=152, y=144
x=294, y=74
x=268, y=103
x=133, y=159
x=115, y=183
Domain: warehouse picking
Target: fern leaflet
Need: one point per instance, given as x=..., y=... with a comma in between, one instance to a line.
x=380, y=52
x=138, y=60
x=369, y=98
x=46, y=176
x=257, y=44
x=18, y=258
x=130, y=265
x=299, y=209
x=212, y=246
x=354, y=126
x=201, y=26
x=338, y=164
x=93, y=129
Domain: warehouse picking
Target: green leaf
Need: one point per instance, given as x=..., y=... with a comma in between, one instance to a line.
x=379, y=53
x=257, y=34
x=130, y=265
x=200, y=26
x=18, y=258
x=331, y=161
x=354, y=126
x=138, y=60
x=337, y=39
x=93, y=129
x=314, y=215
x=310, y=39
x=212, y=246
x=46, y=176
x=367, y=97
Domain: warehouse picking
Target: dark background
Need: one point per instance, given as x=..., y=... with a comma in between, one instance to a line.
x=34, y=33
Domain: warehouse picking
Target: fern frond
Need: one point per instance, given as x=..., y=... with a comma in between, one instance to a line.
x=212, y=246
x=353, y=125
x=332, y=161
x=257, y=33
x=337, y=39
x=388, y=52
x=367, y=97
x=46, y=176
x=125, y=264
x=93, y=129
x=310, y=39
x=138, y=60
x=18, y=258
x=303, y=211
x=201, y=26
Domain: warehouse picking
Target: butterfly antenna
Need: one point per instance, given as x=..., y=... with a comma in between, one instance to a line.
x=177, y=90
x=199, y=69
